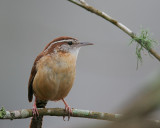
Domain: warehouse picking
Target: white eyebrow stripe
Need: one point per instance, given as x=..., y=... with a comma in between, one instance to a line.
x=58, y=42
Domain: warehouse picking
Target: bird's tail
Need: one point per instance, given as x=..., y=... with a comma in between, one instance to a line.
x=36, y=122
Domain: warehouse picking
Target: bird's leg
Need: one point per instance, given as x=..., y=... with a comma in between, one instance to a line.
x=34, y=109
x=67, y=109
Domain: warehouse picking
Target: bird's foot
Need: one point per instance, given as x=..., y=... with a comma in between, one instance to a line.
x=68, y=110
x=35, y=110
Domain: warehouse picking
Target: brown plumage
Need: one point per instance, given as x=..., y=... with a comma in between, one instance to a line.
x=53, y=72
x=42, y=54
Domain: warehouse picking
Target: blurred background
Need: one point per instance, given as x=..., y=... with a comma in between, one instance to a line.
x=106, y=72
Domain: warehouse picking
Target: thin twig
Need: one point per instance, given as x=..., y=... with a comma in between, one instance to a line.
x=84, y=5
x=26, y=113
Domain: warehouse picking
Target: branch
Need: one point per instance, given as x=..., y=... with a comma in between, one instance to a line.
x=125, y=29
x=26, y=113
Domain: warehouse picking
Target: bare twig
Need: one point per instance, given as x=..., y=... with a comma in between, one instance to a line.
x=84, y=5
x=26, y=113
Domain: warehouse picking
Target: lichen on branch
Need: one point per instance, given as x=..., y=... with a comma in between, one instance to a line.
x=144, y=41
x=2, y=112
x=27, y=113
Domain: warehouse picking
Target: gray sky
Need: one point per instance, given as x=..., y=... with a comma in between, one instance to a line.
x=106, y=72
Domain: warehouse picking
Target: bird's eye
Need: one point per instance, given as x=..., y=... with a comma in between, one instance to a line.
x=70, y=43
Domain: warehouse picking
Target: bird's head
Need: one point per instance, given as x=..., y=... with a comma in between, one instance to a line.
x=65, y=45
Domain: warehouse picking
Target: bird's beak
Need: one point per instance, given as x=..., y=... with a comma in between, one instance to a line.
x=84, y=44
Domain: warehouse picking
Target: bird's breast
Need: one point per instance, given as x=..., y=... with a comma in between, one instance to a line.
x=55, y=76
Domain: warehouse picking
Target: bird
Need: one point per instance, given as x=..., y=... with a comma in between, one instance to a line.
x=53, y=72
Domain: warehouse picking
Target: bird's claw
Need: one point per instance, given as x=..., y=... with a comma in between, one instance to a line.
x=35, y=110
x=69, y=111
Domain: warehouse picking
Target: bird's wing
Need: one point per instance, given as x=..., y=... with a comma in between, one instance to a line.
x=31, y=78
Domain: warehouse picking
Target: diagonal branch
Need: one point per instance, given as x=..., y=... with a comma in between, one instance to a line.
x=26, y=113
x=125, y=29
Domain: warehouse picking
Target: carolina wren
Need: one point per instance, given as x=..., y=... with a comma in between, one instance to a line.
x=53, y=71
